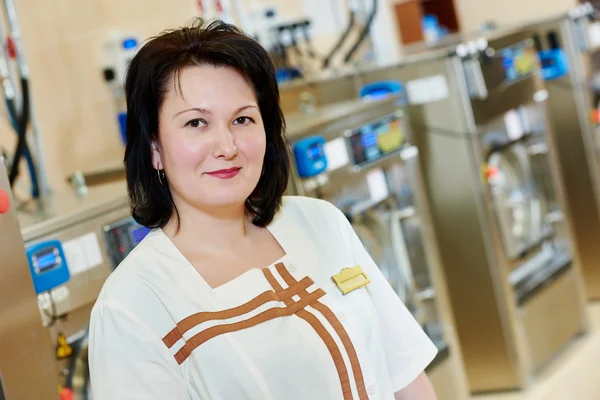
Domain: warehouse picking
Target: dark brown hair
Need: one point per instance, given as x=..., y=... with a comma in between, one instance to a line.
x=151, y=72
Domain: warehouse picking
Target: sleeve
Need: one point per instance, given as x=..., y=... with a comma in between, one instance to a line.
x=408, y=349
x=128, y=361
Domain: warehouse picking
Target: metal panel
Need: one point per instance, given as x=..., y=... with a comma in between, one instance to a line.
x=552, y=319
x=85, y=287
x=469, y=261
x=569, y=106
x=27, y=362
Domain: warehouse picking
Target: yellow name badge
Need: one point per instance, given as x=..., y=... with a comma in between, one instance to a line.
x=350, y=279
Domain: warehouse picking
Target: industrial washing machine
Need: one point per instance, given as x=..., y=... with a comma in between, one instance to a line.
x=73, y=243
x=566, y=46
x=488, y=163
x=355, y=155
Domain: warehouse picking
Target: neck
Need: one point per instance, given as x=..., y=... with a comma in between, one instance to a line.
x=211, y=228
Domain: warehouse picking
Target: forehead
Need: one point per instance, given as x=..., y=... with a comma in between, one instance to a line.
x=205, y=85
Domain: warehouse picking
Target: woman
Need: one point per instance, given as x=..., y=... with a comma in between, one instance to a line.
x=231, y=295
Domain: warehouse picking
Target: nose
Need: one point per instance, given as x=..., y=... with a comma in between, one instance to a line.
x=225, y=145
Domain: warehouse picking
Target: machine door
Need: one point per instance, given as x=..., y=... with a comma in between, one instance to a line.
x=27, y=364
x=375, y=231
x=393, y=237
x=516, y=199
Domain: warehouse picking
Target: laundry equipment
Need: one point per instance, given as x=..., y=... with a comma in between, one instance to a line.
x=478, y=113
x=356, y=155
x=73, y=243
x=567, y=45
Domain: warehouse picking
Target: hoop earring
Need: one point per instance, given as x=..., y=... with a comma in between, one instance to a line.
x=161, y=176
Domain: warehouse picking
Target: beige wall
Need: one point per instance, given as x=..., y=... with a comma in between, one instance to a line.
x=473, y=13
x=75, y=110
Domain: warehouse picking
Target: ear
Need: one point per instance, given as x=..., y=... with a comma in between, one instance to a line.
x=156, y=156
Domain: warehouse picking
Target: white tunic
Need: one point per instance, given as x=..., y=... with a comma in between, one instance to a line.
x=283, y=332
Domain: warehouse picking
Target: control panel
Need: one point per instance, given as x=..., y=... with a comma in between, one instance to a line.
x=48, y=265
x=519, y=61
x=122, y=237
x=376, y=140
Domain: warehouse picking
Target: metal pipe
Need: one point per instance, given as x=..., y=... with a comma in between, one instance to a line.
x=37, y=154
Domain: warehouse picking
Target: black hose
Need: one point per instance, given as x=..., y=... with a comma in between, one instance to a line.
x=309, y=47
x=363, y=35
x=341, y=40
x=22, y=141
x=12, y=113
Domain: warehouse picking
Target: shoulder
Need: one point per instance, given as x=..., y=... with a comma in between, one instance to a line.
x=316, y=217
x=311, y=209
x=144, y=284
x=317, y=221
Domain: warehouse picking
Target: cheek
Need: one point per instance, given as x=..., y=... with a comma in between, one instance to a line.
x=253, y=147
x=185, y=153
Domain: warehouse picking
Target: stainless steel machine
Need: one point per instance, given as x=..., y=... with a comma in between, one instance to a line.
x=567, y=45
x=356, y=155
x=27, y=364
x=488, y=163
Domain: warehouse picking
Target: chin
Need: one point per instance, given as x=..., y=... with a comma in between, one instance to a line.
x=226, y=198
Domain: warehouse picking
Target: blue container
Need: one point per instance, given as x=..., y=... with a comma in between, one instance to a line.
x=554, y=64
x=48, y=265
x=379, y=90
x=310, y=157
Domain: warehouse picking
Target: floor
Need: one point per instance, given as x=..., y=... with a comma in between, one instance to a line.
x=574, y=376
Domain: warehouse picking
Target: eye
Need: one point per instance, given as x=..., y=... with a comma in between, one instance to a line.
x=243, y=121
x=196, y=123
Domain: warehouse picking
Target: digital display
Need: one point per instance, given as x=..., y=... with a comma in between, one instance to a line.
x=45, y=260
x=518, y=61
x=375, y=140
x=138, y=234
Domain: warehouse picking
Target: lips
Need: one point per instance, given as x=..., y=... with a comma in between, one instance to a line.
x=225, y=173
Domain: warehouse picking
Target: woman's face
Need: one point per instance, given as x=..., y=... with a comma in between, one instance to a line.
x=211, y=138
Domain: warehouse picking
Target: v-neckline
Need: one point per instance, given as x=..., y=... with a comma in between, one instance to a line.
x=246, y=276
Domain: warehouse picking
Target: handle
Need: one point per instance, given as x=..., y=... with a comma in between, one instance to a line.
x=538, y=148
x=400, y=248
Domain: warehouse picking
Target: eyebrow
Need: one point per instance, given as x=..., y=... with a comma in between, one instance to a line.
x=205, y=111
x=200, y=110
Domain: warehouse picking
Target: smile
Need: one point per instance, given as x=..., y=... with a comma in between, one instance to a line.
x=225, y=173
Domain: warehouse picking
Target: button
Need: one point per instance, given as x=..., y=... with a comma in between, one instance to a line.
x=292, y=267
x=372, y=389
x=342, y=316
x=4, y=202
